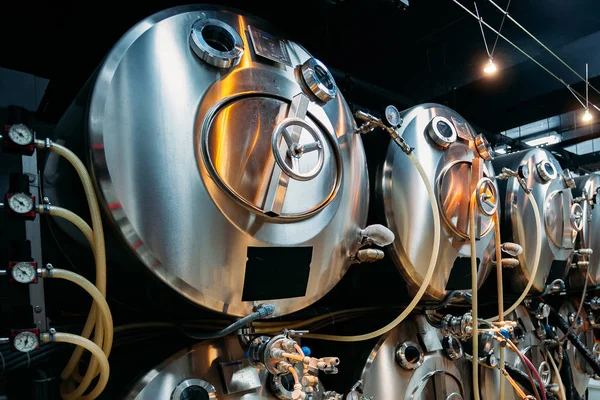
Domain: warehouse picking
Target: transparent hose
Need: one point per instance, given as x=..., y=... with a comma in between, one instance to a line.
x=563, y=393
x=475, y=338
x=538, y=251
x=94, y=318
x=426, y=280
x=97, y=353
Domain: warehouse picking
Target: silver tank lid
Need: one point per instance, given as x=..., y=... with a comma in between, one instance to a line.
x=216, y=143
x=587, y=188
x=445, y=144
x=559, y=215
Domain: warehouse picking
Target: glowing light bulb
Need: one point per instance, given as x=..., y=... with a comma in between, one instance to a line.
x=490, y=67
x=587, y=116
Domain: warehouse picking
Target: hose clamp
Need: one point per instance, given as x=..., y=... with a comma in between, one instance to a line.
x=47, y=143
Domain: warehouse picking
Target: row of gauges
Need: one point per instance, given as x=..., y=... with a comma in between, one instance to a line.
x=20, y=204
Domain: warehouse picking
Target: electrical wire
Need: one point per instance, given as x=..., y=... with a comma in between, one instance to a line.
x=575, y=93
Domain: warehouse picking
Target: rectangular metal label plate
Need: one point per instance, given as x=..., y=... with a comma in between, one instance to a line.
x=239, y=376
x=462, y=129
x=269, y=46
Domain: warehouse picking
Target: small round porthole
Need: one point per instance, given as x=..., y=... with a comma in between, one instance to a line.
x=546, y=171
x=194, y=389
x=318, y=79
x=409, y=355
x=441, y=131
x=216, y=43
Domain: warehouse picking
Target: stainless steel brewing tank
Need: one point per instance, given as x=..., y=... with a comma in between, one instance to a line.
x=444, y=144
x=209, y=370
x=588, y=186
x=551, y=190
x=581, y=370
x=529, y=345
x=410, y=363
x=225, y=157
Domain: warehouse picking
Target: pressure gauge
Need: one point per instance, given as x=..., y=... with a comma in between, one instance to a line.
x=353, y=395
x=392, y=116
x=20, y=134
x=26, y=341
x=24, y=272
x=20, y=203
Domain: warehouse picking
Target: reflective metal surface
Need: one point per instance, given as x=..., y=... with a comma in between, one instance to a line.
x=554, y=199
x=530, y=346
x=582, y=372
x=437, y=377
x=589, y=236
x=407, y=205
x=182, y=155
x=219, y=364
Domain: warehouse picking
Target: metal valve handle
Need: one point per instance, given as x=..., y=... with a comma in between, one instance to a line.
x=486, y=191
x=296, y=151
x=577, y=217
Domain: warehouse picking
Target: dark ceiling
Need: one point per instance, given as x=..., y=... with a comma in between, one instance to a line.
x=429, y=51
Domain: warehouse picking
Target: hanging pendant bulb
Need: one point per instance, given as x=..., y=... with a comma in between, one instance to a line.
x=490, y=68
x=587, y=116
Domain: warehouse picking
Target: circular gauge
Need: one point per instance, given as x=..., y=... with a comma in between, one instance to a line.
x=26, y=341
x=20, y=134
x=23, y=272
x=441, y=131
x=392, y=115
x=20, y=203
x=546, y=171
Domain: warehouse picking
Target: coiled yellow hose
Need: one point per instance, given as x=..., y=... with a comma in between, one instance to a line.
x=94, y=319
x=97, y=354
x=426, y=280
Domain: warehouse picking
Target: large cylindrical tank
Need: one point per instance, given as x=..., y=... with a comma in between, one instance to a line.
x=587, y=188
x=524, y=337
x=210, y=370
x=581, y=370
x=560, y=217
x=411, y=362
x=224, y=158
x=445, y=145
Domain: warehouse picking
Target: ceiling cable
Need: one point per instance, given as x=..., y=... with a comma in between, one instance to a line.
x=500, y=29
x=482, y=32
x=482, y=22
x=506, y=14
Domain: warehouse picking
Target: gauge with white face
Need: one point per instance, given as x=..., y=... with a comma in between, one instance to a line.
x=20, y=134
x=26, y=341
x=23, y=272
x=20, y=203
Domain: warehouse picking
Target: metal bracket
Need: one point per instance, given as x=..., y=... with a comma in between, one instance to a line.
x=279, y=180
x=32, y=233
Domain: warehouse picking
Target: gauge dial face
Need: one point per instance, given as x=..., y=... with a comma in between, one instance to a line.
x=23, y=272
x=26, y=341
x=20, y=203
x=20, y=134
x=392, y=115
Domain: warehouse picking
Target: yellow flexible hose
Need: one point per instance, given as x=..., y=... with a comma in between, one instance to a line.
x=426, y=280
x=94, y=318
x=97, y=353
x=557, y=375
x=538, y=251
x=106, y=326
x=474, y=287
x=500, y=286
x=72, y=218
